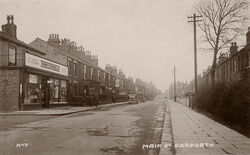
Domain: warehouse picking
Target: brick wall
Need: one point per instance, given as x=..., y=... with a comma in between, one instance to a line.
x=9, y=90
x=3, y=53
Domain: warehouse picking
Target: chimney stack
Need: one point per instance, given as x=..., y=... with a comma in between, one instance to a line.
x=10, y=28
x=54, y=40
x=233, y=49
x=223, y=57
x=248, y=37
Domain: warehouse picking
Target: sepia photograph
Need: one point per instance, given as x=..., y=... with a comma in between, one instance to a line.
x=125, y=77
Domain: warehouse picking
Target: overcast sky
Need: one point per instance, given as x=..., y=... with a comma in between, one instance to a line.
x=145, y=38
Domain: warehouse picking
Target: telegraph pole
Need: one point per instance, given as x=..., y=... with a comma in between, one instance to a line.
x=174, y=85
x=195, y=20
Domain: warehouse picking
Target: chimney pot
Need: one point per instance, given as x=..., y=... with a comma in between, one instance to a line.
x=12, y=19
x=8, y=19
x=233, y=48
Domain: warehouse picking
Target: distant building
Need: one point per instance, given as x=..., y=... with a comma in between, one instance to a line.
x=182, y=88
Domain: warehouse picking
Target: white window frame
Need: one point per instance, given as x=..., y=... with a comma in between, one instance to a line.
x=84, y=71
x=98, y=74
x=10, y=56
x=91, y=73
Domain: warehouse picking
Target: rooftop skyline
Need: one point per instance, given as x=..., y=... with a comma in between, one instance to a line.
x=142, y=37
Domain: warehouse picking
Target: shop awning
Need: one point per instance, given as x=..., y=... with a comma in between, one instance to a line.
x=45, y=73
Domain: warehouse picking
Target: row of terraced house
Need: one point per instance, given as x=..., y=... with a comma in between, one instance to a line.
x=233, y=66
x=56, y=72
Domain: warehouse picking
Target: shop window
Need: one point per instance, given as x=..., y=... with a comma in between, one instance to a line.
x=12, y=56
x=32, y=90
x=54, y=87
x=58, y=91
x=63, y=91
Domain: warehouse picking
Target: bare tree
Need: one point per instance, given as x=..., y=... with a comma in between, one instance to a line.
x=223, y=21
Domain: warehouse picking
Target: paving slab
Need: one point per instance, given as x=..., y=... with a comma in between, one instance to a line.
x=194, y=128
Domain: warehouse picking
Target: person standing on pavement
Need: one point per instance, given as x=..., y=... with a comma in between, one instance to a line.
x=113, y=98
x=96, y=99
x=91, y=100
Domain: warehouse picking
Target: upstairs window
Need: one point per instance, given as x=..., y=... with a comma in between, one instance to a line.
x=75, y=68
x=98, y=75
x=84, y=71
x=70, y=66
x=12, y=56
x=234, y=65
x=91, y=73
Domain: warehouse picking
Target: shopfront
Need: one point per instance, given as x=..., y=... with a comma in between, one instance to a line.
x=44, y=83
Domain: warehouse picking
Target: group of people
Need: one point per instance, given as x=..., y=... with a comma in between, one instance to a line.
x=94, y=100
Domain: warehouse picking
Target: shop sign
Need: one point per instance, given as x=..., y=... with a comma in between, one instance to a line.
x=40, y=63
x=50, y=81
x=57, y=82
x=63, y=83
x=33, y=78
x=122, y=93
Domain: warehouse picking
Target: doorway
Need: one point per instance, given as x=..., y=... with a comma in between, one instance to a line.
x=45, y=97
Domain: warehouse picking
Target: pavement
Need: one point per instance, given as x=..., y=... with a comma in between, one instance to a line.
x=60, y=110
x=192, y=133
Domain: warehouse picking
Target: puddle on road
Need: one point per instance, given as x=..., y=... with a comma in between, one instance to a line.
x=98, y=132
x=150, y=122
x=112, y=151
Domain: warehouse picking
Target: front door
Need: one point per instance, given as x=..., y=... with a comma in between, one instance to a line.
x=45, y=92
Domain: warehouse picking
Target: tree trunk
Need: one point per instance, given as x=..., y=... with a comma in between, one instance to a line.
x=213, y=67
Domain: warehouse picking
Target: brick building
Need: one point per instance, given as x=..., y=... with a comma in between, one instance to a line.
x=55, y=72
x=85, y=76
x=27, y=78
x=231, y=67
